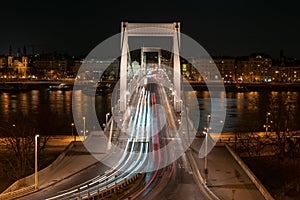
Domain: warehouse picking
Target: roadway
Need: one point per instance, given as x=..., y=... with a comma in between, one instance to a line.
x=168, y=181
x=128, y=166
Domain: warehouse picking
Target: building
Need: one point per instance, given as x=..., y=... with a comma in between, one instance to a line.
x=243, y=69
x=205, y=70
x=51, y=68
x=3, y=62
x=17, y=66
x=259, y=68
x=254, y=68
x=227, y=67
x=48, y=64
x=96, y=69
x=286, y=69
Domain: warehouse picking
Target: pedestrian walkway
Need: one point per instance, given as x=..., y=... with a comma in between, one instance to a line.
x=226, y=178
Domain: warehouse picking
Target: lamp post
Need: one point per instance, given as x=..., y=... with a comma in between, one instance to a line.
x=267, y=125
x=110, y=135
x=36, y=181
x=206, y=141
x=83, y=128
x=72, y=126
x=106, y=120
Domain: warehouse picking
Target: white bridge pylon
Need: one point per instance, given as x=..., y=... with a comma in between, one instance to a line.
x=142, y=30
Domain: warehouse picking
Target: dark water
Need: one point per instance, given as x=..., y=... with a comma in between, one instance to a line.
x=51, y=111
x=246, y=111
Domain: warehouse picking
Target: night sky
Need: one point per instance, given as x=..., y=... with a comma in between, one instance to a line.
x=222, y=27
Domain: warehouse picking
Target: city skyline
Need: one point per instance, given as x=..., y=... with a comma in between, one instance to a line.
x=18, y=51
x=230, y=28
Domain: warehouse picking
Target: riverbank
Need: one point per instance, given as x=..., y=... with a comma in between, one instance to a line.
x=201, y=86
x=30, y=85
x=19, y=85
x=247, y=87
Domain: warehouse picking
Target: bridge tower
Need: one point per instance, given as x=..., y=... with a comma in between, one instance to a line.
x=149, y=30
x=150, y=50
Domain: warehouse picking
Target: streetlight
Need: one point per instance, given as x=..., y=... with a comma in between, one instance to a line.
x=36, y=181
x=83, y=128
x=72, y=126
x=206, y=141
x=267, y=125
x=110, y=135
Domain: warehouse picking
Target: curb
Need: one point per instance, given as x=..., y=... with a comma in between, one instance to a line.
x=198, y=177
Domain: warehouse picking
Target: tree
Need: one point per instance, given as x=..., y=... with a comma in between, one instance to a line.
x=278, y=139
x=283, y=112
x=279, y=144
x=18, y=138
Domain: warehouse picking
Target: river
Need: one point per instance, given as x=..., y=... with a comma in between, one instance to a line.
x=51, y=111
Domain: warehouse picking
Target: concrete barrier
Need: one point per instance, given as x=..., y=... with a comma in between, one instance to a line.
x=14, y=194
x=250, y=174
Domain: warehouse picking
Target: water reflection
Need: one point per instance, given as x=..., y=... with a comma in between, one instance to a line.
x=246, y=111
x=52, y=110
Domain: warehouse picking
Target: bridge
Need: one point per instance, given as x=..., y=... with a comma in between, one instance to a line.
x=148, y=139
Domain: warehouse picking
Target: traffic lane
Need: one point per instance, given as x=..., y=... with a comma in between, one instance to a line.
x=182, y=184
x=160, y=178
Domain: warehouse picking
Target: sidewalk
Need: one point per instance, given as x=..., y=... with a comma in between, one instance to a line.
x=226, y=178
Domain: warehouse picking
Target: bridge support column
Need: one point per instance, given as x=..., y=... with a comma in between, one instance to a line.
x=150, y=29
x=123, y=68
x=176, y=66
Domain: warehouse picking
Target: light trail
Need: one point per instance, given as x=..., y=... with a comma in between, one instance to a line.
x=130, y=164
